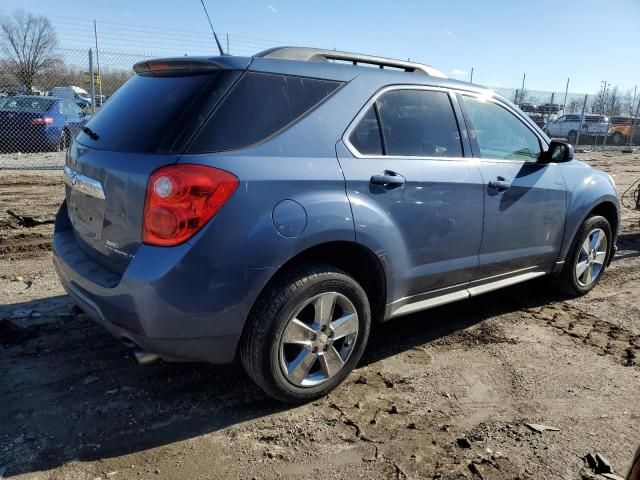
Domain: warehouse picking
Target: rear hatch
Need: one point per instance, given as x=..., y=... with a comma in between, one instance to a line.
x=146, y=124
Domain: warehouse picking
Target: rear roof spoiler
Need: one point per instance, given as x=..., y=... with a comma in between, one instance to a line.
x=306, y=54
x=186, y=65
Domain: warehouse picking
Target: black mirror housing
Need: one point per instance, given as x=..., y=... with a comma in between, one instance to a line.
x=558, y=152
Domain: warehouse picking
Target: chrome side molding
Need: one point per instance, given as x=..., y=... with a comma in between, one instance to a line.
x=408, y=305
x=83, y=184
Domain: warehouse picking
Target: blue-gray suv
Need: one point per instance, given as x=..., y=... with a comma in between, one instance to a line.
x=272, y=208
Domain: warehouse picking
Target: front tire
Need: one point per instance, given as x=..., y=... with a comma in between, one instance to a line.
x=587, y=258
x=306, y=333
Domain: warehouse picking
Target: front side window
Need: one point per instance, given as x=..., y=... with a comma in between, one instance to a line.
x=499, y=133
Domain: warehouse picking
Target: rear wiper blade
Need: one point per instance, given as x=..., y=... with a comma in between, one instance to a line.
x=92, y=135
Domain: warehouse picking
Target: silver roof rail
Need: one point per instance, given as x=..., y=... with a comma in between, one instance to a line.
x=321, y=55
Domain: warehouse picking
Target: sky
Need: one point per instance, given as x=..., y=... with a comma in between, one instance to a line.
x=548, y=40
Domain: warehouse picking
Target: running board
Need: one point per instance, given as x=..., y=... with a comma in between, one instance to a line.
x=405, y=306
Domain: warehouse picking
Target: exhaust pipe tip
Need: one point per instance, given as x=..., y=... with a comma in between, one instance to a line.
x=145, y=358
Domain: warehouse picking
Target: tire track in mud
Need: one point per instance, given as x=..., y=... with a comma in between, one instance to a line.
x=25, y=245
x=605, y=338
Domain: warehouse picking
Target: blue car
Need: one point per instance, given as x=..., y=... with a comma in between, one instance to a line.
x=272, y=208
x=29, y=122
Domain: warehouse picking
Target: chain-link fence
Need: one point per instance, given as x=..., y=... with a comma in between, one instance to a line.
x=46, y=113
x=60, y=99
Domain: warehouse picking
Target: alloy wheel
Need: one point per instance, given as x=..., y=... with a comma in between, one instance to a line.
x=591, y=257
x=318, y=339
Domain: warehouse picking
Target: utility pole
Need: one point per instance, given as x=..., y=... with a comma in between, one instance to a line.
x=228, y=53
x=95, y=32
x=522, y=89
x=471, y=79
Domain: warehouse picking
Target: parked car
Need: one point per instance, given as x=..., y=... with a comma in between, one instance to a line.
x=274, y=207
x=622, y=129
x=79, y=95
x=29, y=122
x=568, y=126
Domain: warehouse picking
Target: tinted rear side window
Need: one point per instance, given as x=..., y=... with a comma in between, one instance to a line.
x=148, y=112
x=366, y=136
x=259, y=105
x=419, y=123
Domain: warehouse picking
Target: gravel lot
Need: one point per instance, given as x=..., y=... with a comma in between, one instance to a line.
x=444, y=392
x=34, y=161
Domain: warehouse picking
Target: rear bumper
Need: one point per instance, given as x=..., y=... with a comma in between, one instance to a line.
x=168, y=301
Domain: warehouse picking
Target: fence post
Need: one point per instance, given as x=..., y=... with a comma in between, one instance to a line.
x=95, y=32
x=584, y=108
x=93, y=87
x=633, y=124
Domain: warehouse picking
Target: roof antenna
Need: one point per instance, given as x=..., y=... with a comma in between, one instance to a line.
x=211, y=25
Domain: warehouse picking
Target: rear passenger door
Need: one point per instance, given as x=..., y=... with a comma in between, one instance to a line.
x=416, y=200
x=525, y=202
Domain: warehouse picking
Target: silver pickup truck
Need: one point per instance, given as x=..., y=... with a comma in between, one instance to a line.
x=568, y=126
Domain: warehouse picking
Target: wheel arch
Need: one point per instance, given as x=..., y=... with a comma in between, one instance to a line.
x=354, y=258
x=608, y=210
x=604, y=207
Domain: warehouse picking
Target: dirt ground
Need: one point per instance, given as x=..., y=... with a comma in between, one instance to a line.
x=445, y=393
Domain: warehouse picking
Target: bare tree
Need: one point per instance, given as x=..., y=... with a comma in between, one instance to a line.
x=29, y=42
x=607, y=101
x=574, y=105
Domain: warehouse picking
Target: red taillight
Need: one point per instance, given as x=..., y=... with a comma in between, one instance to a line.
x=180, y=199
x=42, y=121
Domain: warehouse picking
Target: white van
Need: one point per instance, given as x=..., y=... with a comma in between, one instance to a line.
x=77, y=94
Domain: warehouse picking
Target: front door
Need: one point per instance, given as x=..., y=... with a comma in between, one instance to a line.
x=417, y=202
x=525, y=202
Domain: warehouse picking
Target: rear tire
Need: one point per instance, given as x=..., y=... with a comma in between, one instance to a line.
x=301, y=339
x=618, y=139
x=572, y=136
x=587, y=258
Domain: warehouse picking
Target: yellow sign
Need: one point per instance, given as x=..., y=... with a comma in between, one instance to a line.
x=86, y=78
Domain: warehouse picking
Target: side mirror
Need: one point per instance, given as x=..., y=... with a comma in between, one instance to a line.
x=558, y=152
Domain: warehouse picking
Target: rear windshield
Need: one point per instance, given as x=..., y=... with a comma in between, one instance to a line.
x=148, y=114
x=260, y=105
x=25, y=104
